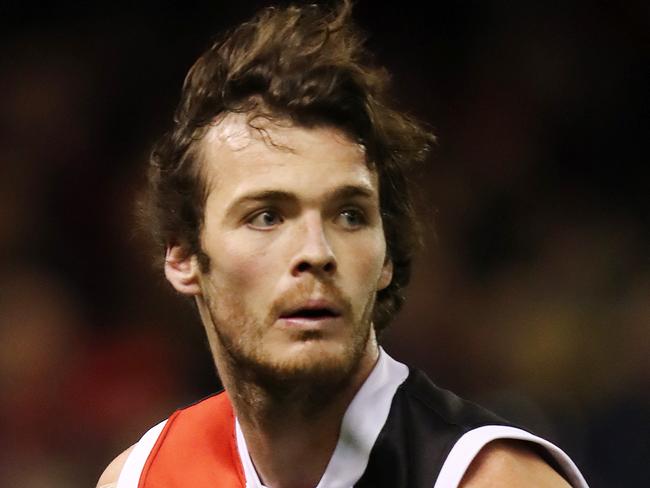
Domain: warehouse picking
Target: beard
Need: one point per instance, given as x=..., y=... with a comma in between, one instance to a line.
x=306, y=380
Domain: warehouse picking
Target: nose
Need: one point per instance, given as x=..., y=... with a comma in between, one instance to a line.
x=314, y=253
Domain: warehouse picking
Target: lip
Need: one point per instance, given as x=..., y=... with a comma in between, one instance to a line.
x=292, y=316
x=308, y=323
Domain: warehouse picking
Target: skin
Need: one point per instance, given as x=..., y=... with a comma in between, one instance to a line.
x=292, y=221
x=317, y=237
x=109, y=477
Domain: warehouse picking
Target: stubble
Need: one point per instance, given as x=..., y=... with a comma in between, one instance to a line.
x=306, y=384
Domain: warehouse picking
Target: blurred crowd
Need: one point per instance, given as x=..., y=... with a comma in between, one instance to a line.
x=531, y=295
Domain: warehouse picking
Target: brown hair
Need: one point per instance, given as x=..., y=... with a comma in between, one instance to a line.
x=306, y=65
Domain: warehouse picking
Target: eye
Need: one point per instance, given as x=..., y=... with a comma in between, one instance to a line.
x=265, y=219
x=352, y=218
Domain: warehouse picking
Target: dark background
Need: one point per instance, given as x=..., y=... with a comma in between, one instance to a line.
x=532, y=296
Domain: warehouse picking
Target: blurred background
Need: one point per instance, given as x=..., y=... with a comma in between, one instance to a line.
x=531, y=297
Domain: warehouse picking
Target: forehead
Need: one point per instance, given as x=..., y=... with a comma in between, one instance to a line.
x=239, y=156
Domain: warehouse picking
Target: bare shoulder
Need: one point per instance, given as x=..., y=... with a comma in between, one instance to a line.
x=109, y=477
x=510, y=463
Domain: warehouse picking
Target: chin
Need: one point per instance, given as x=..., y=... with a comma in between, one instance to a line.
x=308, y=359
x=314, y=358
x=314, y=363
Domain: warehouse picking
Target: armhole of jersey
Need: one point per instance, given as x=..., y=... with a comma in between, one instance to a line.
x=132, y=469
x=469, y=445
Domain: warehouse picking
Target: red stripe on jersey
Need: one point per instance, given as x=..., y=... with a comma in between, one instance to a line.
x=197, y=448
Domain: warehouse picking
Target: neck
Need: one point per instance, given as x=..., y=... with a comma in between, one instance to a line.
x=291, y=435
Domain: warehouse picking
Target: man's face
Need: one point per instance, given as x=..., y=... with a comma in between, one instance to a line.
x=296, y=246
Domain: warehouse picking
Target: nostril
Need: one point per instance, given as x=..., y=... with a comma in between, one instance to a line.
x=304, y=266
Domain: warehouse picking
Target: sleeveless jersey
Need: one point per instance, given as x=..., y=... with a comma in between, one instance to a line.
x=399, y=431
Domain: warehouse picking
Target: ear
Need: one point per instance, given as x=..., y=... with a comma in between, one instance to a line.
x=182, y=271
x=386, y=275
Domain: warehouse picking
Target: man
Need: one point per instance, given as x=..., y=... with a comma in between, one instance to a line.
x=280, y=198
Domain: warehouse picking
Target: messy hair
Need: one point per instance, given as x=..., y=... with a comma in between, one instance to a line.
x=306, y=65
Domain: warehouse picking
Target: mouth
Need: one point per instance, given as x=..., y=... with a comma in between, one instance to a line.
x=313, y=312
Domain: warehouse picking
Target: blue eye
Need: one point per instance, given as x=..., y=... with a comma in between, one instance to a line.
x=265, y=219
x=352, y=218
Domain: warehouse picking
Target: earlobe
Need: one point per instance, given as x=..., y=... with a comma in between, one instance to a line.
x=386, y=275
x=182, y=271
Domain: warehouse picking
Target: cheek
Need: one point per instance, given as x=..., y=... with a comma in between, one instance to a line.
x=239, y=264
x=368, y=264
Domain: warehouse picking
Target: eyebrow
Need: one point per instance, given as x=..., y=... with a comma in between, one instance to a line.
x=353, y=191
x=342, y=193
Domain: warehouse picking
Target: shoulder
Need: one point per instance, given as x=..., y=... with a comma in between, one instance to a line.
x=510, y=463
x=109, y=477
x=441, y=405
x=185, y=433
